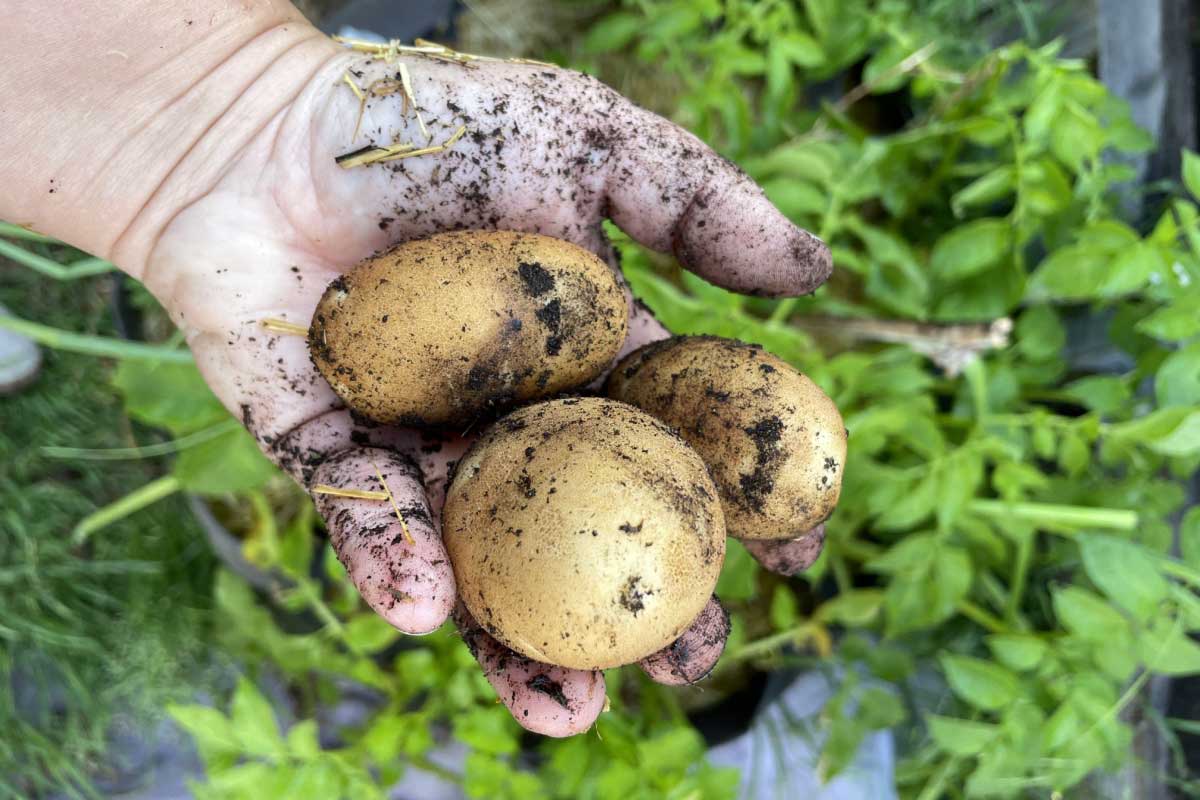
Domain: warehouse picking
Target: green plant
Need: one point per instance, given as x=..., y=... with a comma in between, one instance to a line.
x=1009, y=525
x=1004, y=557
x=89, y=634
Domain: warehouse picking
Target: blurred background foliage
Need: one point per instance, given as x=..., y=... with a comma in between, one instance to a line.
x=1016, y=359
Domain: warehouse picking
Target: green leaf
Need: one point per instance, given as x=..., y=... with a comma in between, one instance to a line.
x=1189, y=537
x=370, y=633
x=1017, y=651
x=1044, y=188
x=801, y=49
x=1178, y=380
x=1040, y=333
x=254, y=721
x=914, y=505
x=1191, y=172
x=488, y=730
x=739, y=575
x=302, y=740
x=880, y=71
x=960, y=737
x=1171, y=431
x=677, y=748
x=1043, y=112
x=784, y=612
x=815, y=162
x=1074, y=455
x=613, y=32
x=971, y=248
x=912, y=554
x=1125, y=573
x=1131, y=269
x=171, y=396
x=1167, y=649
x=1106, y=394
x=316, y=779
x=855, y=608
x=796, y=198
x=980, y=683
x=1076, y=136
x=930, y=594
x=1074, y=272
x=1174, y=322
x=991, y=187
x=230, y=462
x=1086, y=615
x=211, y=730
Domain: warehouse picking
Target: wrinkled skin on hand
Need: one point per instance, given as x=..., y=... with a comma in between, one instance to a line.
x=545, y=150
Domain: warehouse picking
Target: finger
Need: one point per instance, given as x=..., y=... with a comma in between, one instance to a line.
x=391, y=550
x=672, y=193
x=693, y=655
x=787, y=557
x=552, y=701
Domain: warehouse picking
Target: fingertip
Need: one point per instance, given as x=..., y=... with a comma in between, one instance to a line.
x=692, y=656
x=788, y=556
x=544, y=699
x=734, y=236
x=548, y=715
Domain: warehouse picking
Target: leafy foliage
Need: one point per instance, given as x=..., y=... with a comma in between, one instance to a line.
x=1005, y=528
x=1010, y=525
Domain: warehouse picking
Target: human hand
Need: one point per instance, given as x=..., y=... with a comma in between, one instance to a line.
x=545, y=150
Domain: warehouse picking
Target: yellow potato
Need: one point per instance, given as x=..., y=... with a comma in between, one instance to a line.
x=773, y=441
x=583, y=533
x=445, y=330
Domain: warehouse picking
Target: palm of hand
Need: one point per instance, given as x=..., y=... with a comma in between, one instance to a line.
x=545, y=151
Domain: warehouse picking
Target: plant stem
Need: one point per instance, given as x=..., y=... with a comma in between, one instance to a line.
x=937, y=782
x=92, y=345
x=841, y=574
x=1178, y=569
x=1020, y=572
x=83, y=268
x=133, y=502
x=1117, y=519
x=766, y=645
x=445, y=773
x=7, y=229
x=982, y=617
x=148, y=451
x=976, y=376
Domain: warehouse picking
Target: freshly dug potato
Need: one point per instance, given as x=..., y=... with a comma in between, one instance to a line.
x=583, y=533
x=441, y=331
x=773, y=441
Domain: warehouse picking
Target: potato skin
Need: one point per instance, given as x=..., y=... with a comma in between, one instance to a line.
x=445, y=330
x=774, y=442
x=583, y=533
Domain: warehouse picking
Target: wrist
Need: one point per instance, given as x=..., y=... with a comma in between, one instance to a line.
x=158, y=107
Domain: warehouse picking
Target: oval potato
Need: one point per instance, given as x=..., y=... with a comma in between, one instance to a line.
x=773, y=441
x=444, y=330
x=583, y=533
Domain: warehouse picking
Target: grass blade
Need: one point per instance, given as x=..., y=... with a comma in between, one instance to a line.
x=92, y=345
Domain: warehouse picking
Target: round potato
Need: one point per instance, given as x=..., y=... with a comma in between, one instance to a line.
x=444, y=330
x=773, y=441
x=583, y=533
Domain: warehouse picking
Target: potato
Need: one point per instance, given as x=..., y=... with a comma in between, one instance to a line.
x=583, y=533
x=773, y=441
x=444, y=330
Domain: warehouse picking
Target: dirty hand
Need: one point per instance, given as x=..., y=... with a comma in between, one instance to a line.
x=256, y=218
